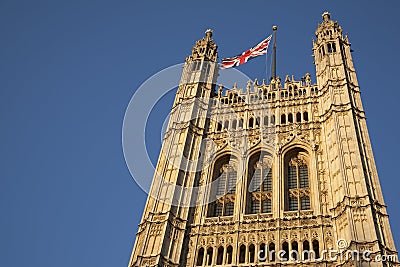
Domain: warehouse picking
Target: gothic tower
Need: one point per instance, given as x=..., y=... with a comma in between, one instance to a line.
x=268, y=175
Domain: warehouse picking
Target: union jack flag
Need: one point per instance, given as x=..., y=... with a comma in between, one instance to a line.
x=258, y=50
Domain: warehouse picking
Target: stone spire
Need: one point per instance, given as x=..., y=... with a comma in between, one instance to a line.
x=205, y=49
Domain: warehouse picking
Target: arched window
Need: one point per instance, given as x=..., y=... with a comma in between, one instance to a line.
x=262, y=253
x=297, y=173
x=305, y=116
x=224, y=183
x=220, y=255
x=329, y=48
x=219, y=127
x=285, y=248
x=306, y=250
x=298, y=117
x=273, y=120
x=290, y=118
x=242, y=254
x=283, y=119
x=209, y=256
x=266, y=121
x=241, y=123
x=229, y=253
x=226, y=124
x=315, y=246
x=294, y=251
x=234, y=124
x=258, y=120
x=252, y=253
x=260, y=184
x=271, y=252
x=251, y=123
x=200, y=257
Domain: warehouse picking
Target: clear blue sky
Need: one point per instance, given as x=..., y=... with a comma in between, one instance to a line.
x=68, y=70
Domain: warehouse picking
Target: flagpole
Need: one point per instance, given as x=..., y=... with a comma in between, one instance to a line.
x=274, y=28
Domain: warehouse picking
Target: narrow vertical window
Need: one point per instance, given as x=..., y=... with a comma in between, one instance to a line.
x=234, y=124
x=306, y=250
x=329, y=48
x=305, y=115
x=200, y=257
x=315, y=246
x=298, y=117
x=290, y=118
x=263, y=253
x=219, y=127
x=283, y=119
x=226, y=125
x=251, y=123
x=242, y=254
x=295, y=251
x=297, y=182
x=285, y=248
x=220, y=255
x=271, y=252
x=209, y=256
x=266, y=121
x=224, y=183
x=259, y=185
x=252, y=253
x=229, y=252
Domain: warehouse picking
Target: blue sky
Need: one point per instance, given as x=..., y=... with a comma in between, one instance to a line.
x=68, y=70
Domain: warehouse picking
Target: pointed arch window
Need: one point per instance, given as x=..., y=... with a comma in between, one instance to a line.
x=220, y=255
x=200, y=257
x=242, y=254
x=229, y=253
x=209, y=256
x=297, y=181
x=223, y=188
x=260, y=184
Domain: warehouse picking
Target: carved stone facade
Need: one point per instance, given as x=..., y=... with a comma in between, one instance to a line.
x=285, y=166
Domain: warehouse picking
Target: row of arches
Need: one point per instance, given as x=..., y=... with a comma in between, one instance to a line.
x=289, y=251
x=256, y=122
x=299, y=117
x=259, y=183
x=330, y=47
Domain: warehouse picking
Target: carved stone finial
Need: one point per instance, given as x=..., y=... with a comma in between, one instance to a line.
x=209, y=33
x=308, y=79
x=326, y=16
x=248, y=87
x=220, y=88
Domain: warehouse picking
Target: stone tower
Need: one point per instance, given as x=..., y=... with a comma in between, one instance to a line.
x=268, y=175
